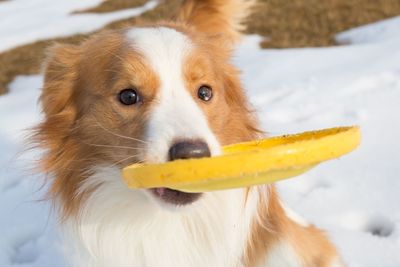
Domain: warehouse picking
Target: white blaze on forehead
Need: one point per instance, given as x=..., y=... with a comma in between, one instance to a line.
x=175, y=115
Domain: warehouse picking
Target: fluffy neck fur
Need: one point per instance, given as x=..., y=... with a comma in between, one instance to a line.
x=121, y=227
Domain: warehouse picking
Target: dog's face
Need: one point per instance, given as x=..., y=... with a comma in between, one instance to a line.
x=150, y=94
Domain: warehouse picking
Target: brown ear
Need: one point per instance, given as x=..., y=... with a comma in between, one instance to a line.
x=216, y=17
x=59, y=78
x=53, y=133
x=59, y=81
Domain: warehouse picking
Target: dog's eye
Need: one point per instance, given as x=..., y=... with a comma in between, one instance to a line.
x=128, y=97
x=205, y=93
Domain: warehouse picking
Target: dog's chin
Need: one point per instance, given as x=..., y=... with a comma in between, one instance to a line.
x=173, y=197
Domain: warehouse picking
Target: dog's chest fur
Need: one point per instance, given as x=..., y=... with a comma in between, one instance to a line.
x=118, y=228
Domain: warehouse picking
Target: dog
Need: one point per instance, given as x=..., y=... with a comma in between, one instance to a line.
x=155, y=93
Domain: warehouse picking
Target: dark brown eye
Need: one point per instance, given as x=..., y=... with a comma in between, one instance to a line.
x=205, y=93
x=128, y=97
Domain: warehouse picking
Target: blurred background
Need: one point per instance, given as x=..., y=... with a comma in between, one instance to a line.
x=306, y=64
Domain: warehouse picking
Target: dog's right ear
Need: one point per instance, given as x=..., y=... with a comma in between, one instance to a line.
x=60, y=76
x=58, y=105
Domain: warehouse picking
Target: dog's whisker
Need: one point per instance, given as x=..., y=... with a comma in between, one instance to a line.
x=89, y=159
x=120, y=161
x=112, y=146
x=119, y=135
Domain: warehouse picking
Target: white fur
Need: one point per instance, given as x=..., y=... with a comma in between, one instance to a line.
x=122, y=227
x=295, y=217
x=176, y=115
x=282, y=255
x=337, y=262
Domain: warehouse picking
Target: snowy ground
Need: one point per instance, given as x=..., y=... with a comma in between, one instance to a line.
x=355, y=198
x=25, y=21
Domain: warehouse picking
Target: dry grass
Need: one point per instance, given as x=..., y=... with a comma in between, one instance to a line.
x=113, y=5
x=284, y=23
x=304, y=23
x=24, y=60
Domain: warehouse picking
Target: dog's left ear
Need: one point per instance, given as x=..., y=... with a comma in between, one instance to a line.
x=218, y=18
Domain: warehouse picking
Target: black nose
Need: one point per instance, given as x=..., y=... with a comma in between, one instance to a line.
x=188, y=150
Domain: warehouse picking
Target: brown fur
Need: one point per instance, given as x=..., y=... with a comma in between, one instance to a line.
x=273, y=226
x=82, y=114
x=216, y=17
x=230, y=115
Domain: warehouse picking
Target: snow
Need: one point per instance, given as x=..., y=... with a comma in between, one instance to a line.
x=28, y=236
x=355, y=198
x=26, y=21
x=375, y=32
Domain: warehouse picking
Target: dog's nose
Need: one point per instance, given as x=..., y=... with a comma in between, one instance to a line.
x=188, y=150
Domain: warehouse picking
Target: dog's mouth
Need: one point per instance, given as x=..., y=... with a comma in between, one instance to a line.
x=174, y=197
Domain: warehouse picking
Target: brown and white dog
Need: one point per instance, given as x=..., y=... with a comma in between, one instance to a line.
x=151, y=94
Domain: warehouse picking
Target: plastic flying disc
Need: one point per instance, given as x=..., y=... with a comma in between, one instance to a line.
x=245, y=164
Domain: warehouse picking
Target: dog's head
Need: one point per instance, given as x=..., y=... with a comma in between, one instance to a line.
x=147, y=94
